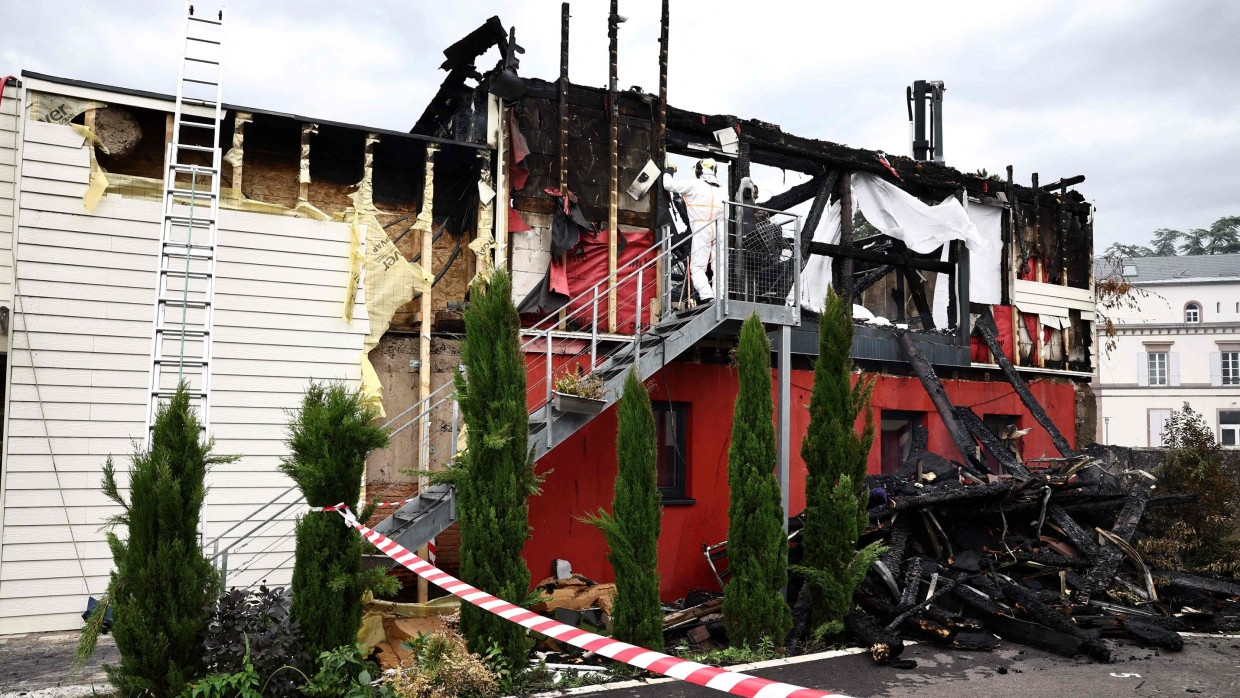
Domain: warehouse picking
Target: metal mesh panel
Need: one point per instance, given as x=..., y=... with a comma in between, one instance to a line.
x=762, y=268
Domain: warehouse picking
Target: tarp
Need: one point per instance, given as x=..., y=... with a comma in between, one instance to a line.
x=587, y=265
x=816, y=275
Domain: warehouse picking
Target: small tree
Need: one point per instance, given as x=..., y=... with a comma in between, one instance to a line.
x=163, y=587
x=753, y=605
x=328, y=440
x=835, y=457
x=632, y=527
x=494, y=478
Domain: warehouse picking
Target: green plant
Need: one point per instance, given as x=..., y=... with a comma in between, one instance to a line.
x=243, y=683
x=329, y=439
x=632, y=527
x=753, y=606
x=495, y=477
x=344, y=672
x=585, y=386
x=835, y=455
x=1206, y=534
x=256, y=627
x=162, y=585
x=765, y=650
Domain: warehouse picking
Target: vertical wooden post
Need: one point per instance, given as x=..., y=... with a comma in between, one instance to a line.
x=613, y=181
x=168, y=132
x=303, y=169
x=660, y=157
x=1014, y=232
x=563, y=130
x=1038, y=268
x=426, y=223
x=843, y=266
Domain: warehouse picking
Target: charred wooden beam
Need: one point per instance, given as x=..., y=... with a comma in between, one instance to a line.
x=974, y=424
x=938, y=395
x=795, y=196
x=912, y=581
x=1050, y=559
x=871, y=277
x=944, y=590
x=897, y=543
x=1196, y=583
x=1063, y=183
x=884, y=646
x=952, y=496
x=990, y=332
x=1152, y=634
x=821, y=196
x=892, y=258
x=1053, y=619
x=917, y=289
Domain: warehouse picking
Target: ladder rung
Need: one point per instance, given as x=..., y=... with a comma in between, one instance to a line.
x=184, y=303
x=198, y=102
x=204, y=21
x=199, y=148
x=169, y=392
x=180, y=361
x=178, y=330
x=201, y=40
x=200, y=82
x=190, y=274
x=198, y=124
x=201, y=60
x=200, y=169
x=196, y=223
x=173, y=243
x=194, y=193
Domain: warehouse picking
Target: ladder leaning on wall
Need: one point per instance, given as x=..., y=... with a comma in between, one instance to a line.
x=185, y=280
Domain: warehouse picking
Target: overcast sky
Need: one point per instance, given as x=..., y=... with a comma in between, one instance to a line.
x=1141, y=97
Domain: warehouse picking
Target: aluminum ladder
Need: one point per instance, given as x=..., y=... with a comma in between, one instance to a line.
x=185, y=279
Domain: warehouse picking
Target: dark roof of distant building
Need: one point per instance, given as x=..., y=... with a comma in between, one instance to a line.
x=1174, y=269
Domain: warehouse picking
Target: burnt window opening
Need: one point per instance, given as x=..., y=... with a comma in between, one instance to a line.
x=999, y=425
x=272, y=157
x=896, y=437
x=670, y=419
x=399, y=171
x=457, y=171
x=337, y=164
x=136, y=138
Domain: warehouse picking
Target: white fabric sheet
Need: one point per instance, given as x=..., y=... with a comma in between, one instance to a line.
x=816, y=277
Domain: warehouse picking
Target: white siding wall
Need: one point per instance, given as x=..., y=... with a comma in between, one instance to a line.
x=82, y=338
x=9, y=109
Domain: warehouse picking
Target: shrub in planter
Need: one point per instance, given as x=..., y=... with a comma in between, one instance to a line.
x=255, y=627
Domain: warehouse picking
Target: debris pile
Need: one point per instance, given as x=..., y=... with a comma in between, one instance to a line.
x=1040, y=556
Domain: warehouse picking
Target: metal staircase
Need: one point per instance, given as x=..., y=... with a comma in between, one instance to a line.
x=748, y=279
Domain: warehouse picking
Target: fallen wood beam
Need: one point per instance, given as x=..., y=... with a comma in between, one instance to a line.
x=1099, y=578
x=951, y=497
x=1052, y=619
x=1151, y=634
x=1007, y=460
x=943, y=591
x=672, y=620
x=990, y=332
x=883, y=646
x=1196, y=583
x=938, y=396
x=917, y=289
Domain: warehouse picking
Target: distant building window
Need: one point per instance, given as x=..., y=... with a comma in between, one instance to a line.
x=1229, y=428
x=1130, y=270
x=669, y=422
x=1158, y=426
x=1192, y=313
x=1157, y=362
x=897, y=437
x=1230, y=367
x=1218, y=307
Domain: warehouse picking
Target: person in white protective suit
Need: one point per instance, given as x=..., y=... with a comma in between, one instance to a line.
x=704, y=200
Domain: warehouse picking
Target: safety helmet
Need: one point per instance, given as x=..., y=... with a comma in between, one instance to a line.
x=707, y=170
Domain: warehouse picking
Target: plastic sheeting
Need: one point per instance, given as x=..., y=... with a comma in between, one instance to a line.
x=587, y=266
x=925, y=228
x=816, y=275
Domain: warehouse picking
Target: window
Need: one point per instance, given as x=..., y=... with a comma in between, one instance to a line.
x=1157, y=363
x=1229, y=428
x=896, y=439
x=1192, y=312
x=1157, y=426
x=999, y=424
x=1218, y=307
x=1230, y=365
x=669, y=423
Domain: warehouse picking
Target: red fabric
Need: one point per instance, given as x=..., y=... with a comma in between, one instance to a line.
x=587, y=266
x=516, y=224
x=517, y=176
x=979, y=351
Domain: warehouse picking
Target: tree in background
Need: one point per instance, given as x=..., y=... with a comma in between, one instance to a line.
x=495, y=477
x=753, y=606
x=1222, y=237
x=1196, y=242
x=329, y=439
x=1165, y=242
x=835, y=456
x=163, y=587
x=632, y=527
x=1225, y=235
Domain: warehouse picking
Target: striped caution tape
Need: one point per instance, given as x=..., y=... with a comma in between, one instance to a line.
x=732, y=682
x=348, y=515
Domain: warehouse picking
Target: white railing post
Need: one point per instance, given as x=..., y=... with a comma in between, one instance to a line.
x=594, y=332
x=637, y=320
x=550, y=386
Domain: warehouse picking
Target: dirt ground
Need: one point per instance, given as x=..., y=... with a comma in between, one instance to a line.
x=42, y=661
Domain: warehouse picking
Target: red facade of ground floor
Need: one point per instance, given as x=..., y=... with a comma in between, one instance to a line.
x=580, y=473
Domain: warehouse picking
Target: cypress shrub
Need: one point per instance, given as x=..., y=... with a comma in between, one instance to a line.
x=328, y=440
x=632, y=527
x=835, y=460
x=494, y=477
x=753, y=605
x=163, y=586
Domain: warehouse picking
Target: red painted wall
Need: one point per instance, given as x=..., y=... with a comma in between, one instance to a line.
x=583, y=468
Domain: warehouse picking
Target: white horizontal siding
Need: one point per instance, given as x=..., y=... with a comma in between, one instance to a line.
x=9, y=111
x=80, y=358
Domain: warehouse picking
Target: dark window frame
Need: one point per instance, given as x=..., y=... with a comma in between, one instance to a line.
x=915, y=419
x=676, y=493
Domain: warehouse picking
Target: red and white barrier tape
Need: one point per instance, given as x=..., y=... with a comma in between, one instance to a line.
x=656, y=662
x=344, y=511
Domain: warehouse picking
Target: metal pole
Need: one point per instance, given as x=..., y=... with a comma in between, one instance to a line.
x=594, y=332
x=547, y=410
x=637, y=320
x=456, y=415
x=785, y=417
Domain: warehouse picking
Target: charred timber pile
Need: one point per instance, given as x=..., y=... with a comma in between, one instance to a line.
x=1044, y=558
